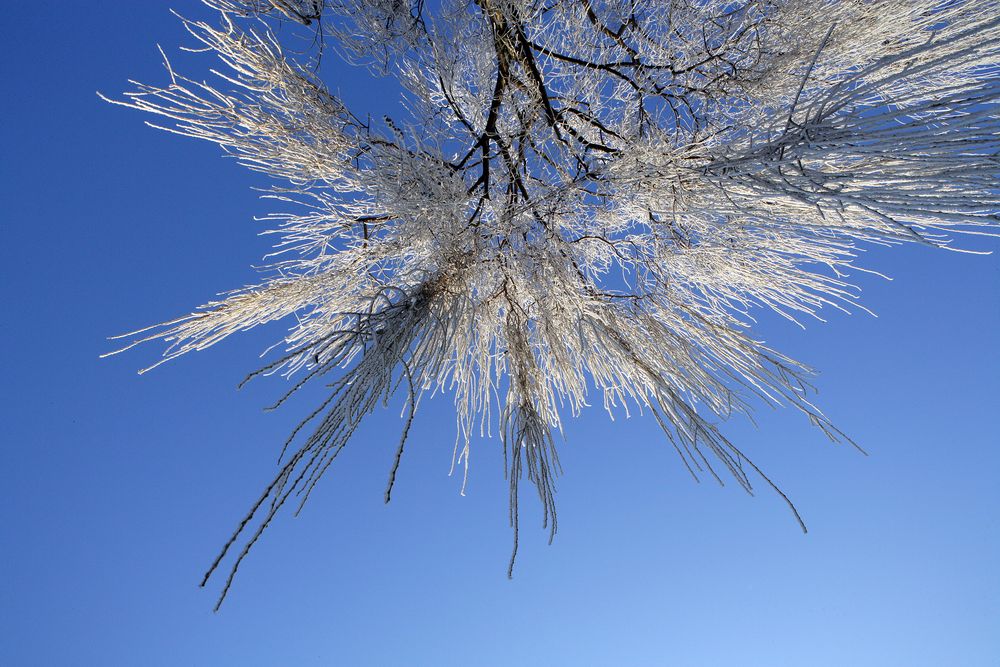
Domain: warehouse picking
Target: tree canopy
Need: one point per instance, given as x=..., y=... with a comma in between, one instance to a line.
x=585, y=198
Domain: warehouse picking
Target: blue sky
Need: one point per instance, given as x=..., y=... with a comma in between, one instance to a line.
x=120, y=488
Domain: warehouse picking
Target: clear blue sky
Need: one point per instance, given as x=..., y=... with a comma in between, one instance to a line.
x=118, y=489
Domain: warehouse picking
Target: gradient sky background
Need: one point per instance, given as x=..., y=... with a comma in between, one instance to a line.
x=118, y=489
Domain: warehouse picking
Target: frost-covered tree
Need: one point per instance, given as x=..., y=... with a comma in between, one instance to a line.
x=586, y=198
